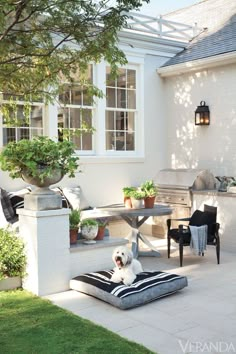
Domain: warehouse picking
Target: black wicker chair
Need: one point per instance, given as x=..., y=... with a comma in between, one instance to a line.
x=182, y=234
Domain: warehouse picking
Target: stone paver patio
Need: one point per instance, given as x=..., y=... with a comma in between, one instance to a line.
x=200, y=318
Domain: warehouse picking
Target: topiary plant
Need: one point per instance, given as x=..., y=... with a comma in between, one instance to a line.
x=12, y=255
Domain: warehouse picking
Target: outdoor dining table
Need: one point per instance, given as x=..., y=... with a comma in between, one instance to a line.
x=135, y=219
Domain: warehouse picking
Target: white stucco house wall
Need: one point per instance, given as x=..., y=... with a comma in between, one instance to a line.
x=106, y=165
x=205, y=70
x=172, y=76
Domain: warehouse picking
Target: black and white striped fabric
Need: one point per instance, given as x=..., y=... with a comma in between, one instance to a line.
x=10, y=201
x=7, y=209
x=148, y=286
x=17, y=198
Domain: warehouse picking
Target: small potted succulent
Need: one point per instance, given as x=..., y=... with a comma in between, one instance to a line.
x=137, y=197
x=127, y=191
x=150, y=190
x=89, y=230
x=74, y=219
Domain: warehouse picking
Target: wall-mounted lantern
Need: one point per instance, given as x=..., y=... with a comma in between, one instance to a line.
x=202, y=114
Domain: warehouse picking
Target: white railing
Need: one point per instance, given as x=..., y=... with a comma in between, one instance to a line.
x=157, y=26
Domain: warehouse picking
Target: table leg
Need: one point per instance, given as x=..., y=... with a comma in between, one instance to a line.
x=134, y=240
x=135, y=235
x=153, y=253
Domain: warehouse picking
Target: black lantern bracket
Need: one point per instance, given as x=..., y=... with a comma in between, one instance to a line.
x=202, y=114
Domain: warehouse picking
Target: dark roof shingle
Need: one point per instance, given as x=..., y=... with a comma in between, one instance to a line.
x=207, y=44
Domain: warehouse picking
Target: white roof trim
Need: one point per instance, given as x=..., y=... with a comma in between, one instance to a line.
x=200, y=64
x=161, y=46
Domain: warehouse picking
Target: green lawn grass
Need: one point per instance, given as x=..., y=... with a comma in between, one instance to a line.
x=29, y=324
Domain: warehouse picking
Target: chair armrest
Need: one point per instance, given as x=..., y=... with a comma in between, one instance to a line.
x=168, y=221
x=181, y=219
x=183, y=228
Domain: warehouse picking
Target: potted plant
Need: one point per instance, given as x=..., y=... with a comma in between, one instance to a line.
x=150, y=190
x=74, y=219
x=127, y=191
x=12, y=260
x=137, y=197
x=102, y=223
x=40, y=161
x=89, y=230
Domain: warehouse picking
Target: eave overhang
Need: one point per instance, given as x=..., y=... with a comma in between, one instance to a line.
x=198, y=65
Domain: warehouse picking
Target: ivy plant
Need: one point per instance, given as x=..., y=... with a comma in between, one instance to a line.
x=29, y=156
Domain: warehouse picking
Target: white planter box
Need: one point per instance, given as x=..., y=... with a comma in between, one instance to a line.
x=137, y=203
x=10, y=283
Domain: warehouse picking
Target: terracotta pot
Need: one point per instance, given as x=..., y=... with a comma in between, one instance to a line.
x=100, y=234
x=149, y=202
x=73, y=236
x=127, y=202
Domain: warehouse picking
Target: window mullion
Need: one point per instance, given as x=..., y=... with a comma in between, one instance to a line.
x=100, y=111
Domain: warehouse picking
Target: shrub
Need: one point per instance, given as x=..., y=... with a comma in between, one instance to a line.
x=12, y=255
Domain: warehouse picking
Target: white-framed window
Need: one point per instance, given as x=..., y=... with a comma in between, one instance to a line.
x=121, y=110
x=76, y=111
x=23, y=120
x=117, y=117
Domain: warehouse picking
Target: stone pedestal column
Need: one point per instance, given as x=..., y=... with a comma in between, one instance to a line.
x=46, y=236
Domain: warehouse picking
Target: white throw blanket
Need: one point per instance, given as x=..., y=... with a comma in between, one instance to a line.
x=198, y=239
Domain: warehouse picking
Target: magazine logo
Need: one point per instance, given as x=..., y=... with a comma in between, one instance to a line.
x=207, y=347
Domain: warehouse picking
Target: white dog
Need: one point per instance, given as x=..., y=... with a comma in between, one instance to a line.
x=126, y=267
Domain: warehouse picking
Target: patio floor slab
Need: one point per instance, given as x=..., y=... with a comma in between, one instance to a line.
x=201, y=316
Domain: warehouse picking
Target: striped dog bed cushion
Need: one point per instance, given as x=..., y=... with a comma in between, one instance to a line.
x=148, y=286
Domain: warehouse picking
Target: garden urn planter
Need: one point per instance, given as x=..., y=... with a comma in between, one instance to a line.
x=89, y=232
x=43, y=198
x=43, y=186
